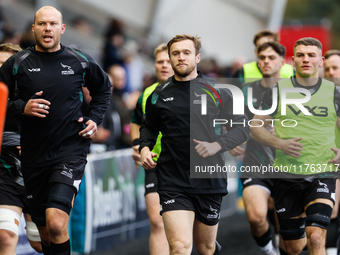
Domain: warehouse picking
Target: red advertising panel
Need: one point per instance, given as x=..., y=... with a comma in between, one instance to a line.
x=290, y=34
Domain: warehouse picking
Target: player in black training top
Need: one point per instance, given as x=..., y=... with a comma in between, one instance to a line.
x=190, y=207
x=45, y=91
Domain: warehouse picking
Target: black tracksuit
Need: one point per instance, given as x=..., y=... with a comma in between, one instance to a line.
x=174, y=109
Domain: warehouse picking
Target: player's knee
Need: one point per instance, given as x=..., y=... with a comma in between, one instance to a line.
x=257, y=219
x=7, y=239
x=56, y=222
x=205, y=248
x=180, y=247
x=156, y=223
x=318, y=215
x=316, y=238
x=293, y=250
x=9, y=220
x=292, y=229
x=60, y=197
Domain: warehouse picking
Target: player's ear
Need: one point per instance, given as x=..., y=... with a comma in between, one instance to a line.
x=198, y=58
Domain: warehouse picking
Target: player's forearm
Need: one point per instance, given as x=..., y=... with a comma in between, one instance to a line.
x=263, y=136
x=148, y=137
x=134, y=131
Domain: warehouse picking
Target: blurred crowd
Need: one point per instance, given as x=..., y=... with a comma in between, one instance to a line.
x=122, y=59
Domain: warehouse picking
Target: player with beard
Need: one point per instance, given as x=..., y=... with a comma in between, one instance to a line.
x=190, y=207
x=45, y=84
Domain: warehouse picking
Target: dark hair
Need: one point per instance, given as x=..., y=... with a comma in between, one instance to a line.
x=308, y=41
x=182, y=37
x=278, y=48
x=266, y=33
x=330, y=53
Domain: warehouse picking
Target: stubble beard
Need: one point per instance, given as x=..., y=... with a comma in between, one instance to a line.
x=42, y=46
x=183, y=73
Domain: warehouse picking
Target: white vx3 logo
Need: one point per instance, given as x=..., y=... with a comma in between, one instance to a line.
x=34, y=70
x=168, y=99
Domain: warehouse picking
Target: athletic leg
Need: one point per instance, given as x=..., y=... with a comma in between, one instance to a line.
x=32, y=233
x=256, y=205
x=9, y=228
x=60, y=202
x=158, y=243
x=317, y=221
x=178, y=225
x=205, y=238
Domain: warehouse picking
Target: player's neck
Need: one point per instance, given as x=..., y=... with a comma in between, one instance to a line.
x=307, y=81
x=268, y=82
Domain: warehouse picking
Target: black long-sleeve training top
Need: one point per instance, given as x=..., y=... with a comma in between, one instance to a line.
x=61, y=76
x=174, y=108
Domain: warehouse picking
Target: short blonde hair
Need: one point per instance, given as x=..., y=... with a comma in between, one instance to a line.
x=160, y=48
x=9, y=47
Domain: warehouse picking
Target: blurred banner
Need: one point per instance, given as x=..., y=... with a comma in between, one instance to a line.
x=115, y=207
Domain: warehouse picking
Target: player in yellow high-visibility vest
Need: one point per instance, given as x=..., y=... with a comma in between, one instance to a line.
x=158, y=243
x=250, y=71
x=306, y=155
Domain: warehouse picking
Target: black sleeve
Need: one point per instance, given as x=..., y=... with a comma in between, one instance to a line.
x=238, y=77
x=238, y=129
x=99, y=86
x=137, y=115
x=149, y=129
x=15, y=107
x=267, y=100
x=337, y=100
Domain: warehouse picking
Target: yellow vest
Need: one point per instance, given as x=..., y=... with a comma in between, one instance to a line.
x=316, y=130
x=157, y=148
x=253, y=73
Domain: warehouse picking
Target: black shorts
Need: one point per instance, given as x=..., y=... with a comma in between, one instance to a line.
x=265, y=183
x=9, y=195
x=206, y=206
x=151, y=181
x=38, y=180
x=292, y=196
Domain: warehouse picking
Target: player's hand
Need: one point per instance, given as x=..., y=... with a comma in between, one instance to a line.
x=291, y=147
x=205, y=149
x=19, y=148
x=37, y=107
x=146, y=158
x=136, y=155
x=237, y=151
x=90, y=131
x=336, y=159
